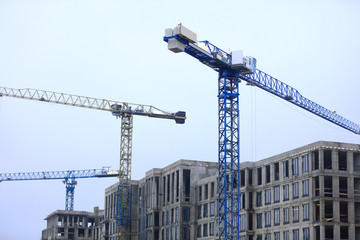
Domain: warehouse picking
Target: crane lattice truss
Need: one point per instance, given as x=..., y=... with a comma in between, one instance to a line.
x=232, y=68
x=123, y=110
x=68, y=177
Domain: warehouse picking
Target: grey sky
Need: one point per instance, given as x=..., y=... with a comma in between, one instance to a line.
x=114, y=50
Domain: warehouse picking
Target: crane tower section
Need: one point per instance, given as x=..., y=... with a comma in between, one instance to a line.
x=181, y=39
x=232, y=68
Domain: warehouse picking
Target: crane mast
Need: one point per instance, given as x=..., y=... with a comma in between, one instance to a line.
x=232, y=68
x=67, y=176
x=122, y=110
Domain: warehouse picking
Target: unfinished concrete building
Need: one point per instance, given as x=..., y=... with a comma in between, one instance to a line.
x=78, y=225
x=312, y=192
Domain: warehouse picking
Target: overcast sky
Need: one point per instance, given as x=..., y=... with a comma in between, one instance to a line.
x=114, y=50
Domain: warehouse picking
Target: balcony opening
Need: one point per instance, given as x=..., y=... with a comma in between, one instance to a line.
x=268, y=174
x=328, y=186
x=329, y=232
x=317, y=232
x=250, y=200
x=344, y=232
x=344, y=212
x=357, y=188
x=357, y=232
x=157, y=189
x=315, y=155
x=164, y=190
x=276, y=169
x=242, y=178
x=356, y=161
x=259, y=176
x=186, y=184
x=327, y=159
x=316, y=186
x=317, y=212
x=342, y=161
x=329, y=214
x=168, y=188
x=71, y=233
x=212, y=190
x=285, y=169
x=81, y=232
x=250, y=221
x=206, y=190
x=343, y=187
x=61, y=232
x=357, y=212
x=250, y=177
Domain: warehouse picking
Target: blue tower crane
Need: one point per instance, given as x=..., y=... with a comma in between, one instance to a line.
x=232, y=68
x=67, y=176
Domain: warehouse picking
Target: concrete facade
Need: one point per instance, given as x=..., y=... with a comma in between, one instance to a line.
x=78, y=225
x=312, y=192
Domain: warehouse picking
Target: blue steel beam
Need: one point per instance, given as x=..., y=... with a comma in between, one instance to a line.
x=68, y=176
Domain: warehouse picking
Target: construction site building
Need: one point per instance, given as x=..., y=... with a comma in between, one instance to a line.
x=79, y=225
x=311, y=192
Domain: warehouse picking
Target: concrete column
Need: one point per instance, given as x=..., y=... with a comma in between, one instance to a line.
x=113, y=205
x=312, y=207
x=335, y=160
x=263, y=171
x=321, y=160
x=352, y=231
x=322, y=209
x=322, y=232
x=272, y=173
x=290, y=167
x=351, y=187
x=350, y=162
x=177, y=179
x=171, y=188
x=321, y=186
x=246, y=177
x=247, y=201
x=167, y=178
x=336, y=187
x=336, y=212
x=337, y=231
x=153, y=194
x=310, y=157
x=351, y=212
x=311, y=232
x=181, y=187
x=281, y=172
